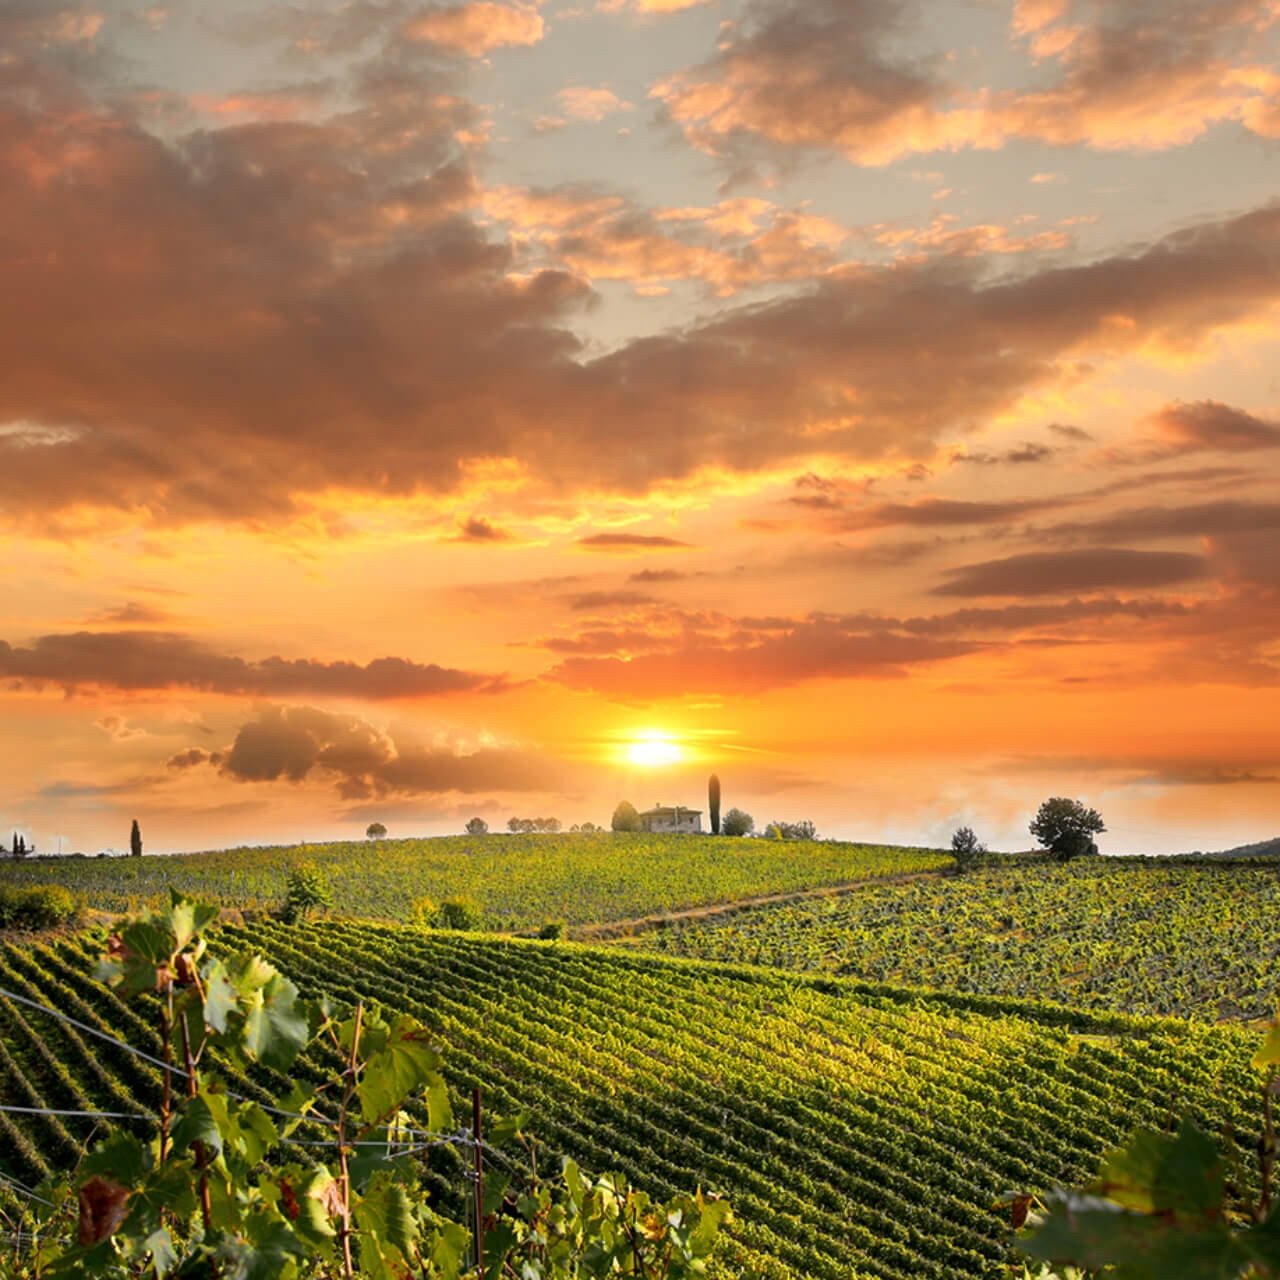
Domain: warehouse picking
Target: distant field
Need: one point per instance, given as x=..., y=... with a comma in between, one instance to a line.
x=858, y=1134
x=1144, y=936
x=520, y=881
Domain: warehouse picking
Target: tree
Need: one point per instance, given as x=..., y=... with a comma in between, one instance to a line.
x=375, y=831
x=477, y=827
x=803, y=830
x=625, y=817
x=135, y=840
x=513, y=824
x=588, y=827
x=966, y=850
x=1064, y=827
x=713, y=803
x=306, y=886
x=737, y=823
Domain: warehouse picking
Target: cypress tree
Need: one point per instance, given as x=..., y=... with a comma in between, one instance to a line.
x=135, y=840
x=713, y=803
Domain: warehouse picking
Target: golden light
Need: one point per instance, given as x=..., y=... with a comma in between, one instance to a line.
x=653, y=750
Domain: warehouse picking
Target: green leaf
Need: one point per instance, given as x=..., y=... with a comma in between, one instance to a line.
x=1156, y=1173
x=275, y=1029
x=508, y=1128
x=198, y=1123
x=267, y=1248
x=406, y=1063
x=187, y=918
x=159, y=1244
x=122, y=1157
x=387, y=1228
x=1268, y=1054
x=219, y=996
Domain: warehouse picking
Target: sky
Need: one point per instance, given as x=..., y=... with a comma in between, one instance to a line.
x=408, y=409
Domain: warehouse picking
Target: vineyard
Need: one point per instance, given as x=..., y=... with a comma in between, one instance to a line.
x=520, y=881
x=857, y=1133
x=1194, y=940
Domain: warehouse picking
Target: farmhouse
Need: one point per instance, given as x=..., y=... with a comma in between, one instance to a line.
x=667, y=818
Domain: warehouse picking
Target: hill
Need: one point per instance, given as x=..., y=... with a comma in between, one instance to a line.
x=520, y=881
x=1260, y=849
x=858, y=1132
x=1189, y=938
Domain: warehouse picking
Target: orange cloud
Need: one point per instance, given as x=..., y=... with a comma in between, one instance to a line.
x=583, y=103
x=476, y=27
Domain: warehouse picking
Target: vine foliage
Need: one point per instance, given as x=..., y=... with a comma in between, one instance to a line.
x=214, y=1194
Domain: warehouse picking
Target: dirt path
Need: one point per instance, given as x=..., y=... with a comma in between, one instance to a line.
x=612, y=929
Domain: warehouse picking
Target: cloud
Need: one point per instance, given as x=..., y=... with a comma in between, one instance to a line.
x=1202, y=519
x=584, y=103
x=293, y=743
x=631, y=543
x=1028, y=451
x=732, y=245
x=1209, y=424
x=131, y=614
x=476, y=27
x=478, y=529
x=308, y=311
x=1054, y=572
x=1068, y=431
x=831, y=74
x=609, y=600
x=118, y=729
x=159, y=660
x=810, y=649
x=658, y=575
x=809, y=73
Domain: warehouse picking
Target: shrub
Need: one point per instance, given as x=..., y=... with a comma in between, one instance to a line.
x=43, y=906
x=804, y=830
x=424, y=912
x=307, y=887
x=625, y=817
x=375, y=831
x=477, y=827
x=737, y=823
x=460, y=913
x=553, y=930
x=966, y=849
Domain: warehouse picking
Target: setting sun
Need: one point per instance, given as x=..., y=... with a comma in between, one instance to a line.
x=654, y=751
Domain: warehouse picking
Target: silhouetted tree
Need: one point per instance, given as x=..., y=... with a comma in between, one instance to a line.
x=737, y=823
x=625, y=817
x=135, y=840
x=375, y=831
x=477, y=827
x=713, y=803
x=1064, y=826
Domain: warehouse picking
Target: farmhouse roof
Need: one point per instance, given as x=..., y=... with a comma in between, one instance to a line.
x=667, y=808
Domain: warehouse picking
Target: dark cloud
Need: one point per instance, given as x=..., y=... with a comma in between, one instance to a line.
x=292, y=744
x=1070, y=432
x=1029, y=451
x=1203, y=519
x=131, y=614
x=1209, y=424
x=1057, y=572
x=811, y=649
x=805, y=73
x=478, y=529
x=609, y=600
x=659, y=575
x=631, y=542
x=159, y=660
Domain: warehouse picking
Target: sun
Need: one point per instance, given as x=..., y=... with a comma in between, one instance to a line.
x=654, y=750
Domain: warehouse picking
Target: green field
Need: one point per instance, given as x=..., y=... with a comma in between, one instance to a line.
x=520, y=881
x=857, y=1133
x=1191, y=939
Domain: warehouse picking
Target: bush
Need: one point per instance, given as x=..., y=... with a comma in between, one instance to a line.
x=43, y=906
x=460, y=913
x=625, y=817
x=424, y=912
x=375, y=831
x=804, y=830
x=966, y=849
x=737, y=823
x=477, y=827
x=307, y=887
x=552, y=931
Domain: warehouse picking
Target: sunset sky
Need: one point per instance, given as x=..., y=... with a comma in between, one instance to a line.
x=406, y=408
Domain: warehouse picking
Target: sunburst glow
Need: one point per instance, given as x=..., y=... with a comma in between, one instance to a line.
x=652, y=751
